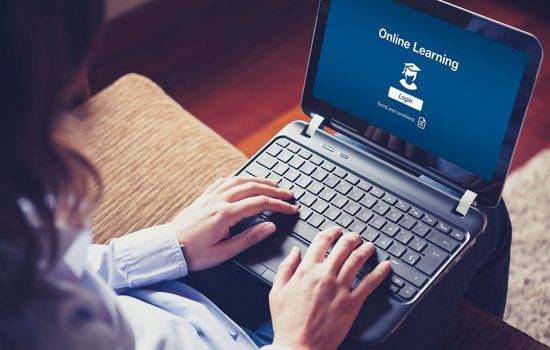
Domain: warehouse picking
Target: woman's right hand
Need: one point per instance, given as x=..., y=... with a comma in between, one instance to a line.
x=312, y=303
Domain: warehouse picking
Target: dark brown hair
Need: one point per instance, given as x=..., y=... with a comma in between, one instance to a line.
x=43, y=48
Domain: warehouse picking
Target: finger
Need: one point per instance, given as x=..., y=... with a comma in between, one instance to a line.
x=342, y=250
x=214, y=185
x=372, y=280
x=355, y=261
x=287, y=268
x=232, y=246
x=254, y=205
x=252, y=189
x=236, y=181
x=318, y=249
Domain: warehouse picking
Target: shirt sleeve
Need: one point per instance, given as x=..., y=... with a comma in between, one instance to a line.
x=139, y=259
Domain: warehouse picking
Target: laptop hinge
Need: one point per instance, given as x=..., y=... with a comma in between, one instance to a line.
x=315, y=123
x=468, y=198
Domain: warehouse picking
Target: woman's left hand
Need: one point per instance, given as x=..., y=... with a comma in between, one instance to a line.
x=203, y=227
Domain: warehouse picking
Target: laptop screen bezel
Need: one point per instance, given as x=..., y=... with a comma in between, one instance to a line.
x=489, y=192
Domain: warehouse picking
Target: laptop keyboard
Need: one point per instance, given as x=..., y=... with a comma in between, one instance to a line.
x=416, y=243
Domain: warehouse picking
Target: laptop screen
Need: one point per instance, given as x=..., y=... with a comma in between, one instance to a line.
x=439, y=94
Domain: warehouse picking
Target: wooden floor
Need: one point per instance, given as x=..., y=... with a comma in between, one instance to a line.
x=239, y=65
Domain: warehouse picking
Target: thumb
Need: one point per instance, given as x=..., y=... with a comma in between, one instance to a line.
x=257, y=233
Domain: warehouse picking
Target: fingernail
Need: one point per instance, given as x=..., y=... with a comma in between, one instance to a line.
x=269, y=228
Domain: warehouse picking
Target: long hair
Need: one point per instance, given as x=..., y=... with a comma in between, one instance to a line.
x=44, y=45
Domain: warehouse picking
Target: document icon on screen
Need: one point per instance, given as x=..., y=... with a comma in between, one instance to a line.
x=421, y=123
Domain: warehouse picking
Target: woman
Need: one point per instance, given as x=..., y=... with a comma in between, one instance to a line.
x=124, y=295
x=52, y=298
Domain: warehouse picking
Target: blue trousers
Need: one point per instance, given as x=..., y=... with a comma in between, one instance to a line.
x=481, y=277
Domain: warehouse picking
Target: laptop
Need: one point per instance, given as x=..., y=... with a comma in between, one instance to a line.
x=416, y=107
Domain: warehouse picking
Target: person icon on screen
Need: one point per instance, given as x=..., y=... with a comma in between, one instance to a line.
x=410, y=71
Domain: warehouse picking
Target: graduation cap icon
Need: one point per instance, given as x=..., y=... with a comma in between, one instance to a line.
x=410, y=72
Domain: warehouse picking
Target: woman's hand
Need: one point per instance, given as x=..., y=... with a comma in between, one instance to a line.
x=203, y=227
x=312, y=303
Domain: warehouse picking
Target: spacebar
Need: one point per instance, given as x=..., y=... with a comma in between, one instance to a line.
x=305, y=231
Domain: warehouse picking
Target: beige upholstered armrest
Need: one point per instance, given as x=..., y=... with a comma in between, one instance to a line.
x=154, y=157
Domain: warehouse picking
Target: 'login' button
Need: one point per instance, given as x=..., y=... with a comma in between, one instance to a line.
x=405, y=98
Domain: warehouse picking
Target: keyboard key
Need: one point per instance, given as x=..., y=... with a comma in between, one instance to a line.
x=410, y=257
x=304, y=213
x=308, y=168
x=365, y=186
x=404, y=236
x=416, y=213
x=408, y=292
x=274, y=150
x=394, y=289
x=407, y=273
x=430, y=220
x=391, y=229
x=433, y=258
x=285, y=184
x=352, y=208
x=407, y=222
x=274, y=177
x=357, y=227
x=339, y=201
x=304, y=154
x=327, y=224
x=418, y=244
x=308, y=199
x=285, y=156
x=319, y=175
x=341, y=173
x=383, y=242
x=368, y=201
x=298, y=192
x=257, y=171
x=315, y=188
x=398, y=281
x=293, y=148
x=364, y=215
x=356, y=194
x=421, y=229
x=316, y=160
x=443, y=227
x=397, y=250
x=305, y=231
x=303, y=182
x=291, y=175
x=280, y=169
x=327, y=194
x=320, y=206
x=442, y=241
x=328, y=166
x=315, y=220
x=343, y=187
x=388, y=198
x=296, y=162
x=402, y=206
x=344, y=220
x=381, y=208
x=458, y=235
x=331, y=181
x=370, y=234
x=377, y=192
x=394, y=215
x=377, y=222
x=282, y=142
x=332, y=213
x=352, y=179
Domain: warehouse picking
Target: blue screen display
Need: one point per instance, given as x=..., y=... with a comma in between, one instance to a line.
x=436, y=85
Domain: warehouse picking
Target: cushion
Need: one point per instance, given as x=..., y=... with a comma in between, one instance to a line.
x=154, y=157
